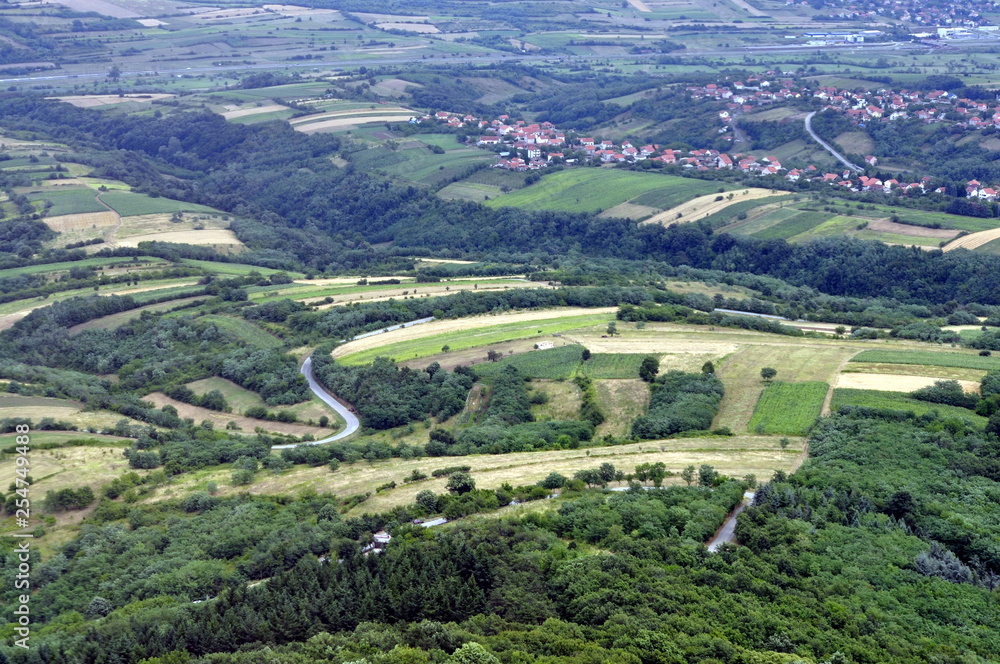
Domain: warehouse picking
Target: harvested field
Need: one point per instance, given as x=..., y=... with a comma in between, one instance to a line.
x=244, y=112
x=894, y=382
x=101, y=7
x=422, y=290
x=90, y=101
x=886, y=226
x=640, y=5
x=941, y=373
x=974, y=240
x=248, y=424
x=205, y=237
x=82, y=221
x=423, y=28
x=435, y=328
x=705, y=205
x=341, y=123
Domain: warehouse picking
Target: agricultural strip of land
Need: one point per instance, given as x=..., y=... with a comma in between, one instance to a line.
x=428, y=338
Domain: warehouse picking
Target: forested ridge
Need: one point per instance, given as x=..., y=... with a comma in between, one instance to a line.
x=280, y=179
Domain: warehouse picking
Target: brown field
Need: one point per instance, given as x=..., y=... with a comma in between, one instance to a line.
x=705, y=205
x=340, y=123
x=248, y=424
x=629, y=211
x=90, y=101
x=443, y=326
x=210, y=237
x=973, y=240
x=886, y=226
x=939, y=373
x=83, y=221
x=244, y=112
x=895, y=382
x=622, y=401
x=640, y=5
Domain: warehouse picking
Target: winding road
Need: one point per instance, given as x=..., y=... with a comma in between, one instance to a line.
x=351, y=420
x=826, y=146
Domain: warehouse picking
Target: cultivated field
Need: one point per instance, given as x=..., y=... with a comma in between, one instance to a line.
x=788, y=408
x=214, y=237
x=428, y=338
x=590, y=189
x=704, y=206
x=973, y=241
x=894, y=383
x=900, y=401
x=247, y=425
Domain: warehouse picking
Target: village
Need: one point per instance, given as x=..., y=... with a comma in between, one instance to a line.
x=525, y=146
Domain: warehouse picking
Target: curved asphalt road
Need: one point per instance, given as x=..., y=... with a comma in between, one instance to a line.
x=826, y=146
x=727, y=534
x=353, y=424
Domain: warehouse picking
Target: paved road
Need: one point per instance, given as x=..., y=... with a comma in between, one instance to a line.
x=353, y=424
x=826, y=146
x=727, y=534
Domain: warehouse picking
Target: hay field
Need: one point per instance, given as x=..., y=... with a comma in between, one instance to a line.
x=705, y=205
x=257, y=110
x=210, y=237
x=82, y=221
x=37, y=408
x=621, y=401
x=734, y=456
x=248, y=424
x=973, y=240
x=92, y=101
x=940, y=373
x=443, y=327
x=894, y=382
x=343, y=123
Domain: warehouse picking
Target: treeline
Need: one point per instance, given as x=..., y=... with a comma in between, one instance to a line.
x=388, y=396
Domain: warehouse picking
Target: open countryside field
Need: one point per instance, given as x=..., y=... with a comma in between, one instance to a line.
x=735, y=456
x=128, y=204
x=950, y=358
x=788, y=408
x=590, y=189
x=894, y=383
x=247, y=425
x=62, y=410
x=900, y=401
x=428, y=338
x=945, y=373
x=703, y=206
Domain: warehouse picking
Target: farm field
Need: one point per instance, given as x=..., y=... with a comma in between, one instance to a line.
x=894, y=382
x=590, y=189
x=945, y=373
x=245, y=331
x=550, y=363
x=239, y=399
x=121, y=318
x=428, y=338
x=130, y=204
x=788, y=408
x=239, y=269
x=735, y=456
x=970, y=360
x=69, y=201
x=61, y=410
x=708, y=205
x=621, y=402
x=900, y=401
x=248, y=425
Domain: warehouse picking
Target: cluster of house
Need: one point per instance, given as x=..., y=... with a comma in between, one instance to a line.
x=964, y=13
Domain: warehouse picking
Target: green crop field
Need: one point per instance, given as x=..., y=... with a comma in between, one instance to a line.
x=461, y=339
x=899, y=401
x=613, y=365
x=788, y=408
x=130, y=204
x=800, y=222
x=589, y=189
x=929, y=358
x=240, y=269
x=552, y=363
x=66, y=265
x=72, y=201
x=244, y=330
x=731, y=213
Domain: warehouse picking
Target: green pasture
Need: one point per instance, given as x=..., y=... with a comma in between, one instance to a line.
x=130, y=204
x=788, y=408
x=900, y=401
x=68, y=201
x=930, y=358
